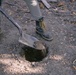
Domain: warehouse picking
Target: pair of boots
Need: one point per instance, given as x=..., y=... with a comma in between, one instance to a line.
x=40, y=30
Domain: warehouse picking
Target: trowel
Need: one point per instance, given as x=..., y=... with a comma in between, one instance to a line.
x=25, y=39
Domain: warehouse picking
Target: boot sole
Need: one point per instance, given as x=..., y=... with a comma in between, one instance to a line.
x=43, y=37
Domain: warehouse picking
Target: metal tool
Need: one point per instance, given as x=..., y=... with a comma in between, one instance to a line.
x=47, y=5
x=25, y=39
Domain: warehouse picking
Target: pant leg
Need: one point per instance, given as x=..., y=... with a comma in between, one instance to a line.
x=34, y=8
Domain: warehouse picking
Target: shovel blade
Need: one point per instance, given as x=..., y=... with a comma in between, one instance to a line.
x=30, y=41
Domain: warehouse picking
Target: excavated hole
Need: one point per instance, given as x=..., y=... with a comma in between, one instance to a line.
x=34, y=55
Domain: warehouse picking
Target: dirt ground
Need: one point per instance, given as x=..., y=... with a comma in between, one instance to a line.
x=60, y=22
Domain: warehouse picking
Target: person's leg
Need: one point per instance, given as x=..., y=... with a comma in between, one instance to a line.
x=37, y=15
x=34, y=9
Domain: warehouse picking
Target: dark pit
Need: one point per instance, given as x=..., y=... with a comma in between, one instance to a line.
x=34, y=55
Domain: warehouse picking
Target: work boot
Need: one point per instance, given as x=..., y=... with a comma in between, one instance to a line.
x=0, y=2
x=40, y=30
